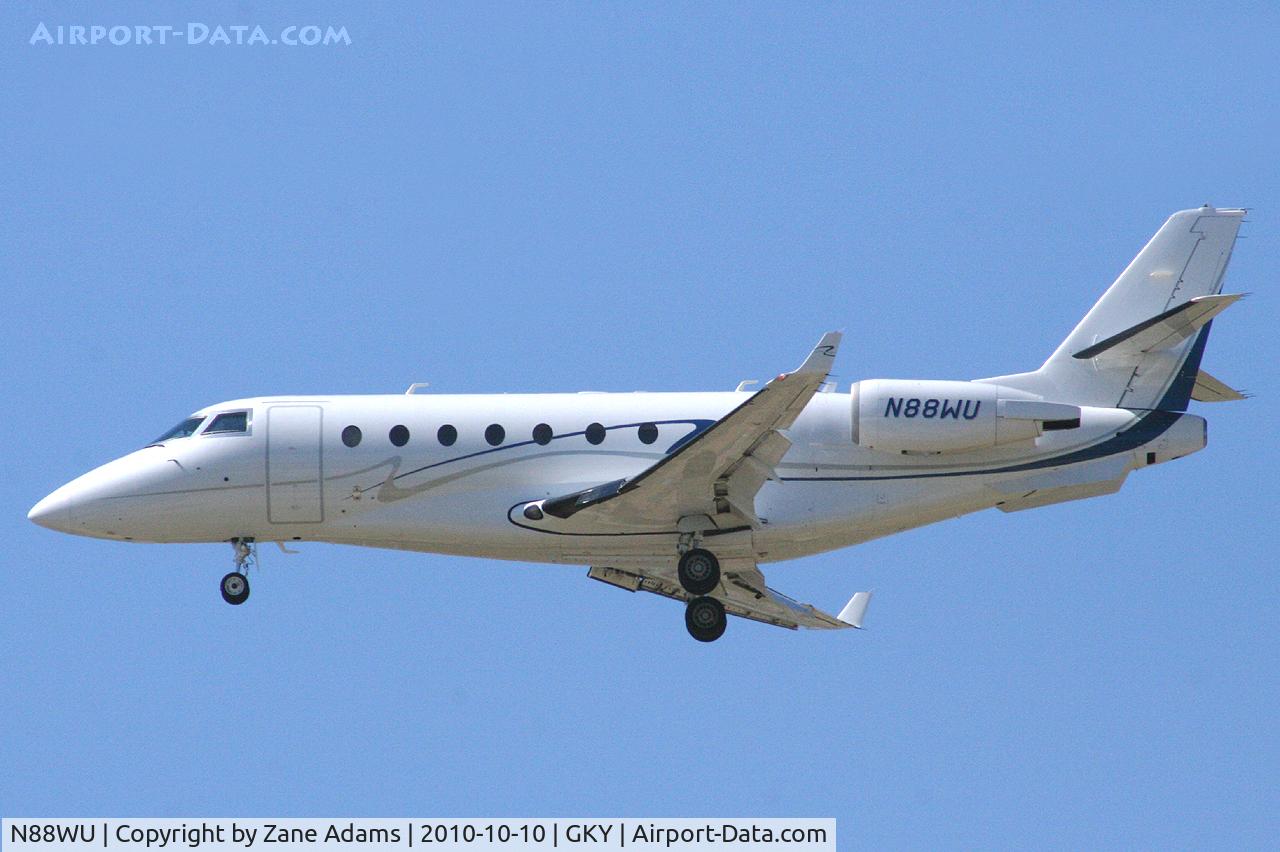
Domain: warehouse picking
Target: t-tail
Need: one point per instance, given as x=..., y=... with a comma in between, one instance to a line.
x=1140, y=346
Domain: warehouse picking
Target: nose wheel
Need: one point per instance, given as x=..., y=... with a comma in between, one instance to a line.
x=235, y=588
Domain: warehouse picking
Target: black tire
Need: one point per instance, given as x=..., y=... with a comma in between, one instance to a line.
x=699, y=571
x=705, y=619
x=235, y=588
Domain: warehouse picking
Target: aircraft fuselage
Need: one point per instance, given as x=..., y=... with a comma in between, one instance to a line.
x=291, y=476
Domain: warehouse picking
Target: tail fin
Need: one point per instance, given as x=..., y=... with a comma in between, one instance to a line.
x=1139, y=347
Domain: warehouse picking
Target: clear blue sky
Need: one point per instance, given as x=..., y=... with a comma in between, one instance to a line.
x=619, y=197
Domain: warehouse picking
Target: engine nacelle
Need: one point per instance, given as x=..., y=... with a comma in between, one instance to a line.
x=904, y=416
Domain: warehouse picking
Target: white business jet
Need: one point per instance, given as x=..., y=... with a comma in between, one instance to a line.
x=687, y=494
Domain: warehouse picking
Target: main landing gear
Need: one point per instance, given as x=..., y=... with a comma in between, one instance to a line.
x=705, y=619
x=699, y=574
x=699, y=571
x=235, y=586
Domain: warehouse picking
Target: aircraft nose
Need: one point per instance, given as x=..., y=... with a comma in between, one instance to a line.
x=53, y=512
x=116, y=500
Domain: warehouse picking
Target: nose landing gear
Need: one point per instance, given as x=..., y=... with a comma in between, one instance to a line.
x=235, y=586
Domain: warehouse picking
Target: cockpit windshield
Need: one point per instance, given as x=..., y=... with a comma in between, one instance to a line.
x=183, y=430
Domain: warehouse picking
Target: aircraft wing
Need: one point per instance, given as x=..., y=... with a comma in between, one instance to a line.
x=743, y=592
x=718, y=473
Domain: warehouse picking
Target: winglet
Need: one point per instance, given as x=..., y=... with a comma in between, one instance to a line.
x=855, y=609
x=823, y=355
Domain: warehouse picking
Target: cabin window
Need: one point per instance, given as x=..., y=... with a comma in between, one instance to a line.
x=183, y=430
x=648, y=433
x=232, y=421
x=446, y=435
x=351, y=436
x=542, y=434
x=399, y=435
x=595, y=433
x=495, y=435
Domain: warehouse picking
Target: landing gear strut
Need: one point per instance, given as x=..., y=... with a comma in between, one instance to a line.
x=698, y=571
x=235, y=586
x=705, y=619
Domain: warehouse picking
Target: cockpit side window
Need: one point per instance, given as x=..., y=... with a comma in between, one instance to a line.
x=229, y=422
x=183, y=430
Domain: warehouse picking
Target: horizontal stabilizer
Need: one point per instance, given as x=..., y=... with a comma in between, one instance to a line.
x=1209, y=389
x=1162, y=331
x=855, y=609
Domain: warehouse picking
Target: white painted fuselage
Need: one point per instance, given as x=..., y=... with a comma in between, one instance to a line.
x=291, y=477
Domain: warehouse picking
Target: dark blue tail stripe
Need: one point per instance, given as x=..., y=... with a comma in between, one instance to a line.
x=1178, y=396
